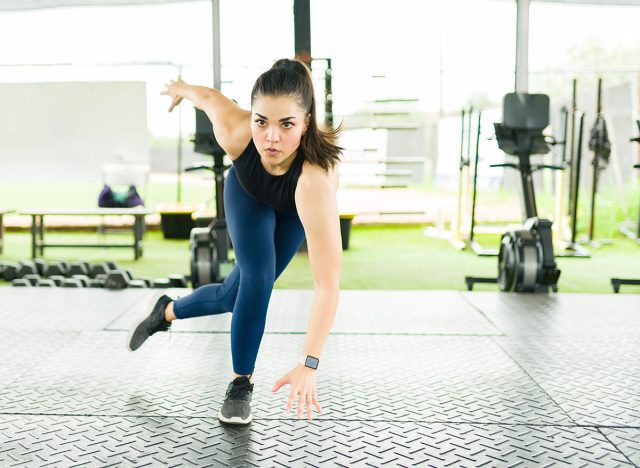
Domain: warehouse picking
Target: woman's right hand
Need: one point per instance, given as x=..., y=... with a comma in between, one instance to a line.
x=172, y=89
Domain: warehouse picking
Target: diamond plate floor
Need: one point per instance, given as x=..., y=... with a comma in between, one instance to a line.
x=433, y=378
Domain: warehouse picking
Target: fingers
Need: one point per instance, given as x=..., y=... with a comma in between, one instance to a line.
x=305, y=400
x=279, y=383
x=176, y=100
x=316, y=403
x=309, y=412
x=292, y=395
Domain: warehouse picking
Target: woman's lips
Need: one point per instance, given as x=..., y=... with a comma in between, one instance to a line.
x=272, y=151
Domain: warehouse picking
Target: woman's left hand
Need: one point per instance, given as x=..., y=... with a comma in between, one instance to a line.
x=172, y=89
x=303, y=384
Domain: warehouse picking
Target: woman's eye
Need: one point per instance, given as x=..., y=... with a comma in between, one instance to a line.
x=260, y=122
x=287, y=125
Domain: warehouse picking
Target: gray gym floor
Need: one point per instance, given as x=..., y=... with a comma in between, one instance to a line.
x=432, y=378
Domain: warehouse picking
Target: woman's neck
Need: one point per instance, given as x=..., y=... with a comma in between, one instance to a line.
x=281, y=167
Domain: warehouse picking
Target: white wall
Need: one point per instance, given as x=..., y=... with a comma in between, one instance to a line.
x=67, y=131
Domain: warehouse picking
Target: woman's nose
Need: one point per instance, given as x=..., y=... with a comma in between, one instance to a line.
x=272, y=134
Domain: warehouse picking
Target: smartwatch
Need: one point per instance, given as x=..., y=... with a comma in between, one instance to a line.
x=310, y=362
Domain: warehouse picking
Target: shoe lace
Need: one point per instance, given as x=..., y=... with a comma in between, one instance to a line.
x=240, y=392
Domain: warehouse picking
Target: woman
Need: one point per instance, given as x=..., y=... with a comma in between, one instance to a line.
x=282, y=188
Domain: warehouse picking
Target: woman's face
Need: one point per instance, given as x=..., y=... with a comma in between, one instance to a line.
x=277, y=125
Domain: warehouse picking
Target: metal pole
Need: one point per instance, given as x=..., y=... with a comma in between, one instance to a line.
x=572, y=139
x=574, y=214
x=328, y=95
x=215, y=30
x=461, y=164
x=475, y=177
x=302, y=30
x=522, y=47
x=595, y=163
x=179, y=168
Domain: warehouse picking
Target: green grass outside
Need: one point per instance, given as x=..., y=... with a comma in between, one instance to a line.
x=380, y=257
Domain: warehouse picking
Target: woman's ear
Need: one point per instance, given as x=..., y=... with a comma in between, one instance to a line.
x=306, y=123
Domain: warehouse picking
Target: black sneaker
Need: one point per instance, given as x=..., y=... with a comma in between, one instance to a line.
x=148, y=325
x=236, y=408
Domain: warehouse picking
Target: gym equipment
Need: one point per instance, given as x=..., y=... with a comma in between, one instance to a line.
x=630, y=228
x=328, y=93
x=477, y=248
x=73, y=283
x=565, y=227
x=81, y=275
x=25, y=268
x=600, y=145
x=8, y=271
x=32, y=278
x=463, y=225
x=209, y=246
x=56, y=268
x=161, y=283
x=526, y=261
x=121, y=279
x=463, y=183
x=176, y=281
x=21, y=283
x=617, y=282
x=46, y=283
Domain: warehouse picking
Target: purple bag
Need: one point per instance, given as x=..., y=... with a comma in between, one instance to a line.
x=109, y=198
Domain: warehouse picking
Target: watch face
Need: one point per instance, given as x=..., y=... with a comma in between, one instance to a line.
x=311, y=362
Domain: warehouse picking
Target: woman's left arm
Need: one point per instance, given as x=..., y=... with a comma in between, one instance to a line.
x=318, y=210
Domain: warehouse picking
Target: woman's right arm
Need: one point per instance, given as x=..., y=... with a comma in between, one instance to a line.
x=231, y=124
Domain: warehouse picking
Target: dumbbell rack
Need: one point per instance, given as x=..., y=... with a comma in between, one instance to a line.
x=108, y=275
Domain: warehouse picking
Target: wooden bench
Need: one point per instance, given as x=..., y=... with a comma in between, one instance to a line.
x=2, y=213
x=38, y=227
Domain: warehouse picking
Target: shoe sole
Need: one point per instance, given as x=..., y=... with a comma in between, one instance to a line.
x=235, y=420
x=152, y=302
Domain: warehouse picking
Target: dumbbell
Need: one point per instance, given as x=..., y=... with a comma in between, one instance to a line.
x=8, y=271
x=26, y=267
x=84, y=279
x=161, y=283
x=96, y=283
x=32, y=278
x=46, y=283
x=41, y=265
x=79, y=268
x=122, y=279
x=99, y=269
x=177, y=281
x=55, y=269
x=58, y=280
x=72, y=283
x=21, y=282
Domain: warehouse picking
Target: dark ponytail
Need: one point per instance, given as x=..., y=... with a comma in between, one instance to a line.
x=293, y=78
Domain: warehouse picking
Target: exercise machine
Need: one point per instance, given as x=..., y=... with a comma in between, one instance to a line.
x=456, y=238
x=630, y=228
x=526, y=261
x=209, y=246
x=463, y=225
x=565, y=226
x=617, y=282
x=600, y=146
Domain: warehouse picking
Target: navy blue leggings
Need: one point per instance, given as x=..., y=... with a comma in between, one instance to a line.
x=264, y=242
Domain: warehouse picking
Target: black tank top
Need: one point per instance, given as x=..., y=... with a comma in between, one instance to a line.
x=276, y=191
